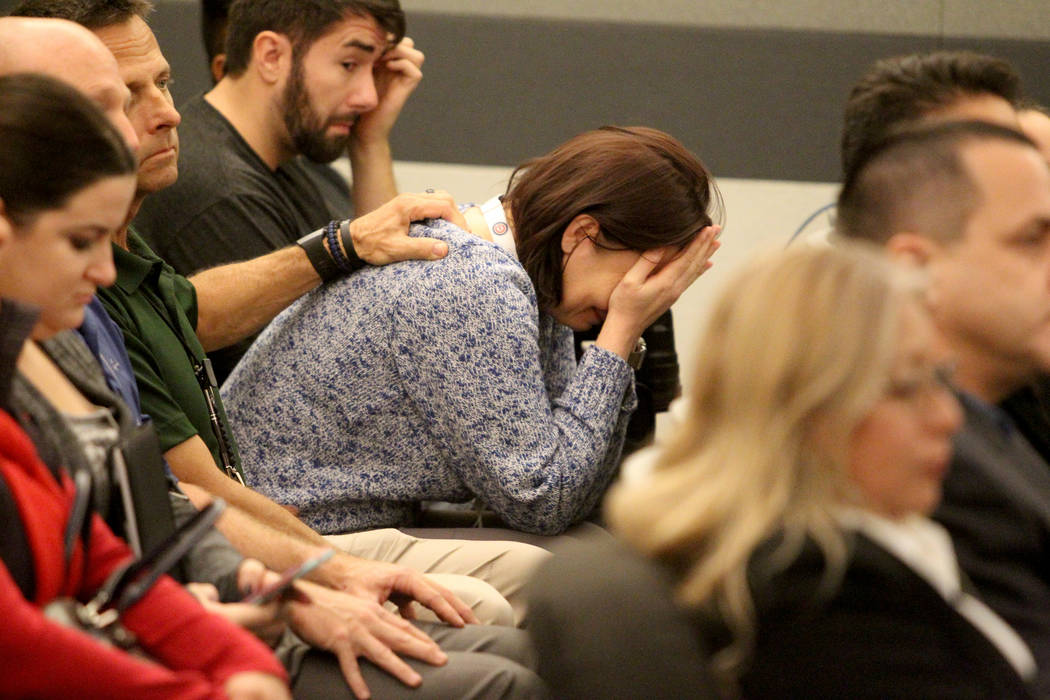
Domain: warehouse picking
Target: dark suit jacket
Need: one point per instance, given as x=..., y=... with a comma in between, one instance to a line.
x=1029, y=407
x=881, y=632
x=996, y=505
x=605, y=627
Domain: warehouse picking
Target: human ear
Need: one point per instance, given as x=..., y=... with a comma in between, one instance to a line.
x=912, y=249
x=272, y=56
x=579, y=228
x=6, y=230
x=218, y=67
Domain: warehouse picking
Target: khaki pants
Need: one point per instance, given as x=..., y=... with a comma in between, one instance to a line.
x=487, y=575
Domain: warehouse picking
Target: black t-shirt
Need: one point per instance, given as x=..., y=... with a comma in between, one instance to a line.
x=227, y=205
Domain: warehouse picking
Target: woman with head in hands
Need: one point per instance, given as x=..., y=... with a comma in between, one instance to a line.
x=463, y=382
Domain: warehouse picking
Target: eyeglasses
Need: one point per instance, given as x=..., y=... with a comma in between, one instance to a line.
x=605, y=246
x=922, y=383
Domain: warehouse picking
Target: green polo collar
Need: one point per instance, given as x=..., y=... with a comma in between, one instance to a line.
x=136, y=264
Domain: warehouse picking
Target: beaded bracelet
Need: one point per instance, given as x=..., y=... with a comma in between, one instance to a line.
x=331, y=232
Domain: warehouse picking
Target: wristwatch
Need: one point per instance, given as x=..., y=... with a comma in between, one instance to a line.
x=313, y=244
x=637, y=356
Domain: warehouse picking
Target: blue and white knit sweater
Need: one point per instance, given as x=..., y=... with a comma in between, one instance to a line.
x=429, y=381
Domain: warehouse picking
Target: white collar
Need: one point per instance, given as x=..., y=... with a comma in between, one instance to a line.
x=496, y=220
x=926, y=548
x=920, y=543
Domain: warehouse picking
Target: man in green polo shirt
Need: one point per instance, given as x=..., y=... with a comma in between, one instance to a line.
x=169, y=322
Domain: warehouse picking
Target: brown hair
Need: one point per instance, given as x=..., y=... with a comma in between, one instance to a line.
x=901, y=90
x=93, y=14
x=54, y=142
x=916, y=180
x=303, y=22
x=642, y=186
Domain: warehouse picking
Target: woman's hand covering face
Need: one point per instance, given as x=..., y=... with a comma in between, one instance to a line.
x=656, y=281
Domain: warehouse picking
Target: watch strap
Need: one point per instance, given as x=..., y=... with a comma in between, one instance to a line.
x=324, y=265
x=637, y=356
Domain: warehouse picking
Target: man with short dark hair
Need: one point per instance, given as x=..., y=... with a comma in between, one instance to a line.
x=330, y=183
x=946, y=85
x=315, y=79
x=969, y=202
x=924, y=88
x=903, y=90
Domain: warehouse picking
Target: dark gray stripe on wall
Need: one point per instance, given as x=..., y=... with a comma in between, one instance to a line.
x=754, y=104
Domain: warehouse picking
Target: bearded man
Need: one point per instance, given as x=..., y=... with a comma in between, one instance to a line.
x=304, y=80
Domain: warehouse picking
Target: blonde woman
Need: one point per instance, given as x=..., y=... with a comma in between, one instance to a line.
x=791, y=506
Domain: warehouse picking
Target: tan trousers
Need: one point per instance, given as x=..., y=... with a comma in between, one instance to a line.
x=487, y=575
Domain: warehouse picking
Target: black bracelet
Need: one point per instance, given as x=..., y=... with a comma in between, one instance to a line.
x=355, y=262
x=324, y=265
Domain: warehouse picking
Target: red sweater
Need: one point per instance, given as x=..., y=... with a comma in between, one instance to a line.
x=38, y=658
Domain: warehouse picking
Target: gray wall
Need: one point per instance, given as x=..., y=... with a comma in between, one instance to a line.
x=756, y=103
x=1014, y=19
x=755, y=86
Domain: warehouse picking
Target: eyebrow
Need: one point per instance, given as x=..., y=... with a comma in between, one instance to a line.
x=358, y=44
x=163, y=71
x=1042, y=223
x=93, y=228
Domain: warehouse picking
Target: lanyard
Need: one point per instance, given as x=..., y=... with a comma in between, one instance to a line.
x=202, y=371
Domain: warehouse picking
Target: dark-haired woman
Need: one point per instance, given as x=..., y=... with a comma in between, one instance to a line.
x=462, y=381
x=66, y=182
